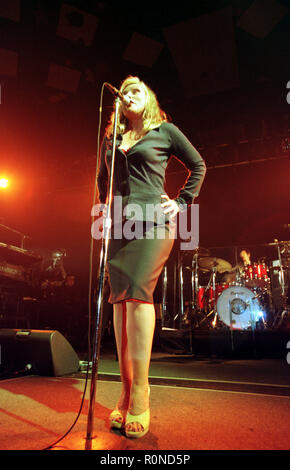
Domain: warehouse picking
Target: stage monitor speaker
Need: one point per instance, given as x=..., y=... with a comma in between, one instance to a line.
x=41, y=352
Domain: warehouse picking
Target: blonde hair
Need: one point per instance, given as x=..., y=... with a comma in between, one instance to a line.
x=153, y=115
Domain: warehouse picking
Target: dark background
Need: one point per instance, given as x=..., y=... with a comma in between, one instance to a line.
x=219, y=68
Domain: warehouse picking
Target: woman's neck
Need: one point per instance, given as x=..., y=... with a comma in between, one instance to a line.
x=136, y=126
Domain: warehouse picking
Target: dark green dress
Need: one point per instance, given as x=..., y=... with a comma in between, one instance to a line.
x=137, y=254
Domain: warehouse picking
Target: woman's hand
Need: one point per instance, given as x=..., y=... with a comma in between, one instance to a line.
x=170, y=207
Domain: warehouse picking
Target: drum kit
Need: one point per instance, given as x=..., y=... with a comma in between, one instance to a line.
x=223, y=296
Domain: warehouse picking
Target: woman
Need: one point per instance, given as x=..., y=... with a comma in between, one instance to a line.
x=145, y=142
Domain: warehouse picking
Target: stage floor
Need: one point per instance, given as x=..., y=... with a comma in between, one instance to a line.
x=197, y=403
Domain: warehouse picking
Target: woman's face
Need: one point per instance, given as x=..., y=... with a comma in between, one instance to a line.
x=137, y=95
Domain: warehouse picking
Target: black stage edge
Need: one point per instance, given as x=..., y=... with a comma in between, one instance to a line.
x=227, y=343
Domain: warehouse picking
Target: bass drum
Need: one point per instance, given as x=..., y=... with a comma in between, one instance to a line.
x=239, y=308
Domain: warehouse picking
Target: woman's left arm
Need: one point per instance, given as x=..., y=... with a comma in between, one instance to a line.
x=185, y=152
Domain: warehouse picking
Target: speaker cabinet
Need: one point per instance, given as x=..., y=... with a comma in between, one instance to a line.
x=42, y=352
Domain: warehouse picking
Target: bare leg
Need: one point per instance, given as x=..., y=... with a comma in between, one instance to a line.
x=119, y=320
x=140, y=330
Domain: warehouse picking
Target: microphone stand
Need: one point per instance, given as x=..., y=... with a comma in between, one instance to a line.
x=99, y=303
x=285, y=309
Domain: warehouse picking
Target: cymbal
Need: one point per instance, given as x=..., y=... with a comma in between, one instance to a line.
x=277, y=268
x=200, y=251
x=276, y=243
x=208, y=263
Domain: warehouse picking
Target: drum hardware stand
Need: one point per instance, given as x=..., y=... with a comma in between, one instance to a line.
x=174, y=290
x=214, y=297
x=193, y=283
x=212, y=281
x=253, y=329
x=231, y=326
x=238, y=277
x=194, y=290
x=99, y=301
x=164, y=297
x=194, y=286
x=271, y=305
x=181, y=299
x=180, y=313
x=205, y=291
x=280, y=317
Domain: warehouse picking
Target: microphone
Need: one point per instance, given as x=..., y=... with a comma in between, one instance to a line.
x=118, y=93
